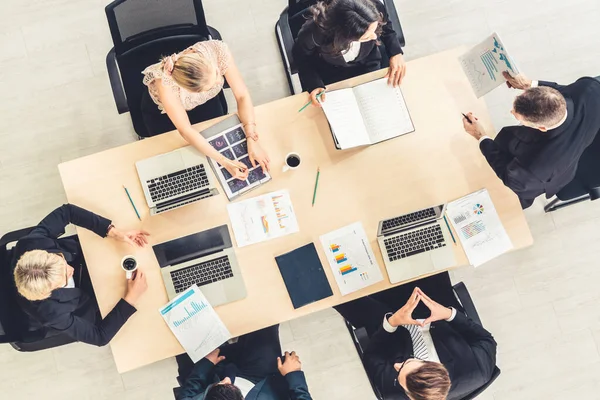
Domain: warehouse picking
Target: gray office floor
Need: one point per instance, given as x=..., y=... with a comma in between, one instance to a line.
x=541, y=303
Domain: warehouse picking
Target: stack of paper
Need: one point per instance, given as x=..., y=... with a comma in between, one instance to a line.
x=195, y=323
x=479, y=228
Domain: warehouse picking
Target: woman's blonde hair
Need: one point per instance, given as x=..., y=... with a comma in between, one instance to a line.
x=37, y=273
x=191, y=71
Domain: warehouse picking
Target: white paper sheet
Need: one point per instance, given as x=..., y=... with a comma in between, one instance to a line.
x=262, y=218
x=479, y=228
x=345, y=119
x=351, y=258
x=383, y=109
x=195, y=323
x=484, y=63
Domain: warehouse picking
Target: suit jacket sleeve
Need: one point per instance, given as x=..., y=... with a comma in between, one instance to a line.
x=389, y=37
x=200, y=378
x=482, y=342
x=550, y=84
x=304, y=50
x=380, y=353
x=507, y=168
x=298, y=389
x=98, y=333
x=53, y=225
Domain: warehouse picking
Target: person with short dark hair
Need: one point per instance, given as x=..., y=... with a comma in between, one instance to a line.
x=251, y=369
x=423, y=351
x=557, y=124
x=341, y=40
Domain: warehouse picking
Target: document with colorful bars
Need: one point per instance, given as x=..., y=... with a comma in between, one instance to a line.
x=351, y=258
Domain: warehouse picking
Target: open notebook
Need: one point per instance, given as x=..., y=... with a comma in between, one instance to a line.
x=367, y=114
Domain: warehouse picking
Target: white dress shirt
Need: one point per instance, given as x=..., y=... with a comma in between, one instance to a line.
x=433, y=356
x=352, y=53
x=244, y=385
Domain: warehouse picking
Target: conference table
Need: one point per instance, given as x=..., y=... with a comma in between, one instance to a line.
x=435, y=164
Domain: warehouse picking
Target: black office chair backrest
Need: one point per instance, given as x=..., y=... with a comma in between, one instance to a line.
x=13, y=321
x=143, y=31
x=133, y=22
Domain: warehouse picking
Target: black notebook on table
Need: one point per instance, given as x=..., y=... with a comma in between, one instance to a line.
x=303, y=275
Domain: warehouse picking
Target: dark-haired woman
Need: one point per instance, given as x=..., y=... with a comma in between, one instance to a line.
x=340, y=40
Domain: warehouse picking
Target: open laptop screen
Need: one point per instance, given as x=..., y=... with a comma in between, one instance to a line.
x=193, y=246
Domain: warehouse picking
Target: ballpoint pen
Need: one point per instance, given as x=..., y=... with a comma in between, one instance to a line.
x=308, y=104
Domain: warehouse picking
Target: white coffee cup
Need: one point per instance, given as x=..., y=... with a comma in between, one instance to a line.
x=129, y=265
x=292, y=161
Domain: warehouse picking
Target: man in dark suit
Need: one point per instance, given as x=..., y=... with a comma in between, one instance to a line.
x=51, y=276
x=557, y=124
x=443, y=355
x=250, y=369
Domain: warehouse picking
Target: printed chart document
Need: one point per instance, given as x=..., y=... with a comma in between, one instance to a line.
x=351, y=258
x=479, y=228
x=195, y=323
x=262, y=218
x=367, y=114
x=484, y=64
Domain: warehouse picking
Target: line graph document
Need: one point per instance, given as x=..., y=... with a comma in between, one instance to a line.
x=484, y=64
x=479, y=228
x=351, y=258
x=195, y=323
x=262, y=218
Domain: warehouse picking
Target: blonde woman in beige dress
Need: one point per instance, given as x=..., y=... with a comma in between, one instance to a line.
x=188, y=79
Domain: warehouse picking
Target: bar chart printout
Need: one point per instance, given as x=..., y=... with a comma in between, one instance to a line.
x=262, y=218
x=351, y=258
x=195, y=323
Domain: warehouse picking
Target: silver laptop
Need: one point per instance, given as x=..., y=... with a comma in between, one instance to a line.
x=415, y=244
x=206, y=259
x=174, y=179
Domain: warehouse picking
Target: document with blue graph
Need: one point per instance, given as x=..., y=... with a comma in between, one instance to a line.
x=484, y=64
x=475, y=220
x=195, y=323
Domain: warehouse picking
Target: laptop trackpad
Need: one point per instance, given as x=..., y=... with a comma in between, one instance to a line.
x=215, y=293
x=442, y=258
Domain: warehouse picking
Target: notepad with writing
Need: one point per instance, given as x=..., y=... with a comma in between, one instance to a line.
x=367, y=114
x=303, y=275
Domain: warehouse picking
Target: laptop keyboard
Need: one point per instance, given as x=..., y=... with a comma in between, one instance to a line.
x=408, y=219
x=178, y=183
x=202, y=274
x=415, y=242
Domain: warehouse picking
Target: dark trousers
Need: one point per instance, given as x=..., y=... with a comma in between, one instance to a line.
x=368, y=311
x=157, y=123
x=253, y=357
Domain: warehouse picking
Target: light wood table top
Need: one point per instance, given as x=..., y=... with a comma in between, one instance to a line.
x=437, y=163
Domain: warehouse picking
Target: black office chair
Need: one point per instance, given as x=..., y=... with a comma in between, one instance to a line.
x=586, y=184
x=361, y=339
x=16, y=327
x=291, y=20
x=142, y=32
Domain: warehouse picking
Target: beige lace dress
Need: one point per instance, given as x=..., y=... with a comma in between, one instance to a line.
x=214, y=50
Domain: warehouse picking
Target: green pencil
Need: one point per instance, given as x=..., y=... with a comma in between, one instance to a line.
x=308, y=104
x=316, y=185
x=449, y=230
x=132, y=204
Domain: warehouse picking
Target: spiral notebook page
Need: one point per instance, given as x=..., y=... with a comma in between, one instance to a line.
x=345, y=119
x=383, y=110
